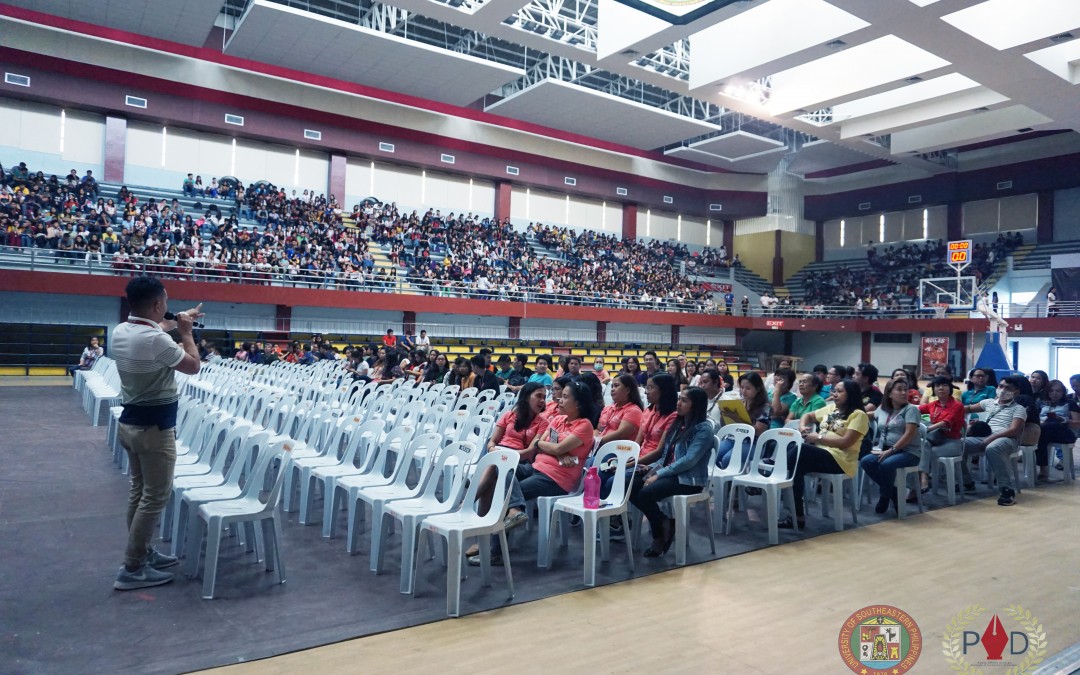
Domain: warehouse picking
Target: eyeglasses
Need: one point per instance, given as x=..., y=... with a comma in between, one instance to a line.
x=978, y=374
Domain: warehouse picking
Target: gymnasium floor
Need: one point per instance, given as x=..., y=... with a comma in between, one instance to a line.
x=61, y=535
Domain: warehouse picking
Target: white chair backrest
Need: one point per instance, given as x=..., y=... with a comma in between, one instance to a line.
x=486, y=395
x=489, y=407
x=477, y=429
x=504, y=462
x=743, y=437
x=453, y=460
x=785, y=439
x=623, y=451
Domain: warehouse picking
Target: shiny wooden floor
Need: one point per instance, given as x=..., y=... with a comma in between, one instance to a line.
x=776, y=610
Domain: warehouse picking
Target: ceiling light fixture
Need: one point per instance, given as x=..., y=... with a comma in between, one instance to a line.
x=1062, y=37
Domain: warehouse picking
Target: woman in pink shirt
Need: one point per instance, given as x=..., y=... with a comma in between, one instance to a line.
x=662, y=394
x=558, y=457
x=621, y=420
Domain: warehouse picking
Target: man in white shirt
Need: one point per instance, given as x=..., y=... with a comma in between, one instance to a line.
x=711, y=381
x=145, y=360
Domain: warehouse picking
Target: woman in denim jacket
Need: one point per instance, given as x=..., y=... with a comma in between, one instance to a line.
x=684, y=469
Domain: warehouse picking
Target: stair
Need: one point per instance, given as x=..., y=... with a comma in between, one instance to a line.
x=752, y=281
x=1039, y=256
x=1018, y=256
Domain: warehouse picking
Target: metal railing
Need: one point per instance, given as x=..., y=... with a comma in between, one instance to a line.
x=50, y=260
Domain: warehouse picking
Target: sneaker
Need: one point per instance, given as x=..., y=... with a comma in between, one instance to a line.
x=510, y=522
x=616, y=533
x=1007, y=497
x=969, y=488
x=159, y=560
x=474, y=560
x=144, y=577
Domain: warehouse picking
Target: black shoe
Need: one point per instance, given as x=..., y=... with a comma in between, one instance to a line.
x=789, y=524
x=969, y=488
x=1007, y=497
x=882, y=504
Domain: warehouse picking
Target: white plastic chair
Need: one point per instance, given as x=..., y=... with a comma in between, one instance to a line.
x=248, y=508
x=374, y=473
x=720, y=478
x=432, y=501
x=465, y=522
x=594, y=521
x=192, y=491
x=362, y=457
x=681, y=507
x=778, y=481
x=1068, y=462
x=341, y=451
x=377, y=496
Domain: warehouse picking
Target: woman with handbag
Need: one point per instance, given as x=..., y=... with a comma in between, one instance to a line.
x=945, y=428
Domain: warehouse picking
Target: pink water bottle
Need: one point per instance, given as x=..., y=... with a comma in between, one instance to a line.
x=592, y=489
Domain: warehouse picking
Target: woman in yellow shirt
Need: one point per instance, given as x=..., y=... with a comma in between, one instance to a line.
x=834, y=448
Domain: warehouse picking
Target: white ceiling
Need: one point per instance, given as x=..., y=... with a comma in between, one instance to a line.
x=282, y=36
x=574, y=108
x=919, y=76
x=185, y=21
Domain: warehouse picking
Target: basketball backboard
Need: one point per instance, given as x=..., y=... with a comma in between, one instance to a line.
x=961, y=293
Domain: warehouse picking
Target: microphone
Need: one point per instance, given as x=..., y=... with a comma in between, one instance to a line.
x=169, y=316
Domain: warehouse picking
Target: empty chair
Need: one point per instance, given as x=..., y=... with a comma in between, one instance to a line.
x=342, y=484
x=376, y=496
x=772, y=479
x=465, y=522
x=339, y=451
x=213, y=517
x=720, y=477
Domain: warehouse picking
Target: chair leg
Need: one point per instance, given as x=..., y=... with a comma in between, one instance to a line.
x=772, y=513
x=307, y=495
x=356, y=519
x=837, y=488
x=331, y=506
x=377, y=534
x=543, y=551
x=506, y=564
x=453, y=574
x=278, y=559
x=588, y=532
x=213, y=547
x=287, y=490
x=409, y=535
x=682, y=515
x=712, y=529
x=717, y=505
x=627, y=540
x=195, y=531
x=179, y=514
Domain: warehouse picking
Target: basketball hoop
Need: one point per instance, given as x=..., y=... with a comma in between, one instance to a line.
x=940, y=309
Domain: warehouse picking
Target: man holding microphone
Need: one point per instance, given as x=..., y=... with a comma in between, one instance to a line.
x=146, y=357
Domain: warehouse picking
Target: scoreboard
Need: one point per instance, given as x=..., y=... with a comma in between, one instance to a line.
x=959, y=252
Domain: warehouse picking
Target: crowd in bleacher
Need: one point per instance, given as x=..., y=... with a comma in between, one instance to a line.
x=892, y=277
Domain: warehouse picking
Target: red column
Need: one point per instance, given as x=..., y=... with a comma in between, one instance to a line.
x=408, y=321
x=115, y=149
x=515, y=328
x=819, y=240
x=778, y=259
x=502, y=200
x=629, y=221
x=866, y=340
x=729, y=237
x=601, y=331
x=336, y=180
x=674, y=335
x=1044, y=223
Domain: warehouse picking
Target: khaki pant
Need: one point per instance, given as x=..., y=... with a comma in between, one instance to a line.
x=152, y=458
